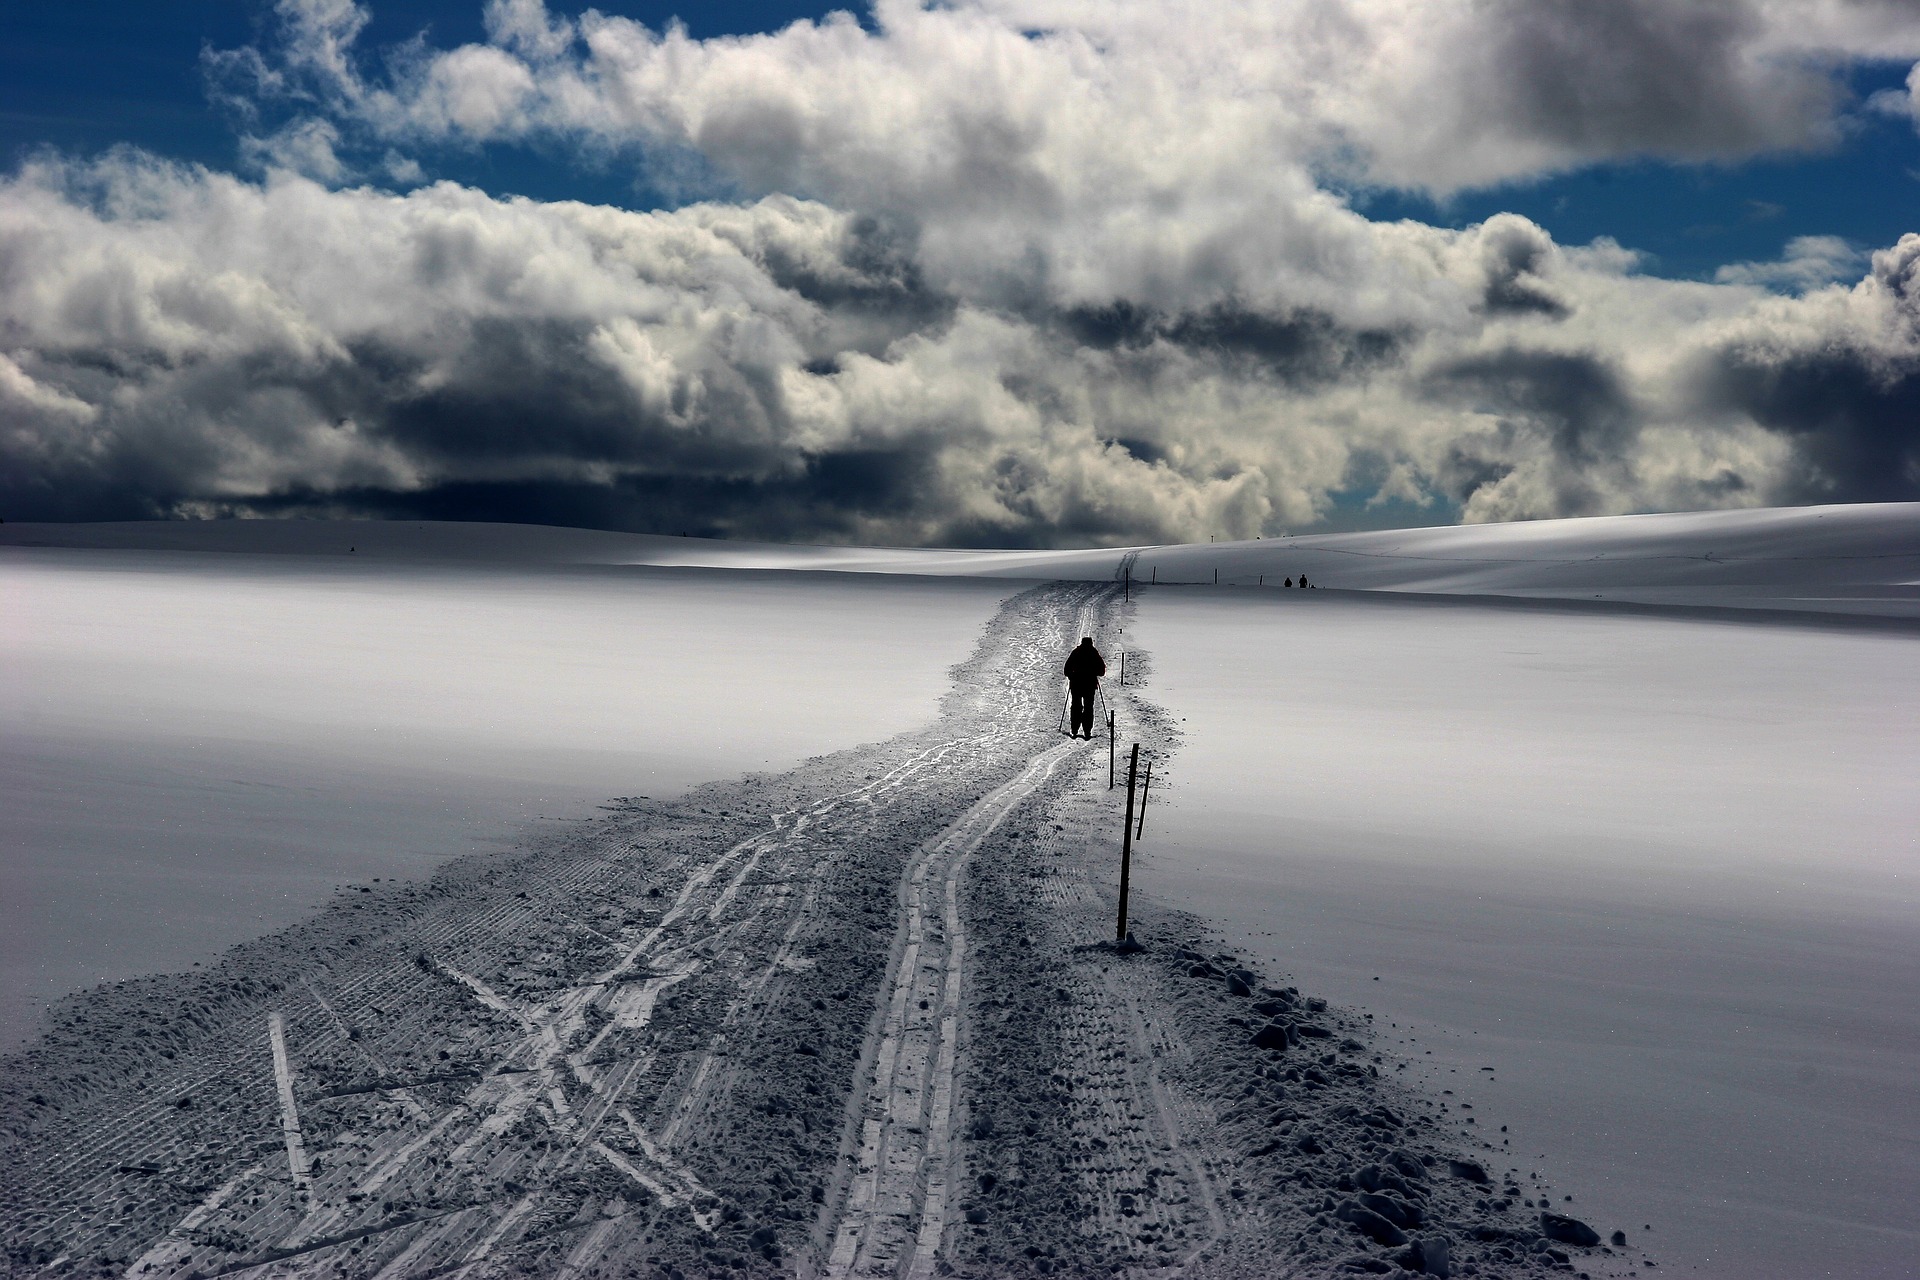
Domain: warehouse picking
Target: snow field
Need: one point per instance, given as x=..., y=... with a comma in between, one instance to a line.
x=684, y=1039
x=1861, y=559
x=197, y=748
x=1655, y=867
x=1661, y=873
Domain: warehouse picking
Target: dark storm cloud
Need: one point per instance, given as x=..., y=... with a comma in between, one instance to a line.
x=1298, y=349
x=1574, y=403
x=519, y=392
x=876, y=280
x=1678, y=77
x=833, y=498
x=1575, y=399
x=1516, y=254
x=1845, y=394
x=1853, y=421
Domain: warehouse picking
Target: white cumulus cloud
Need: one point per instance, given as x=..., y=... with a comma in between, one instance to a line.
x=1004, y=271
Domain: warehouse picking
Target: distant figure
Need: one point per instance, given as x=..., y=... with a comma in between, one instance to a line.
x=1303, y=580
x=1289, y=581
x=1084, y=668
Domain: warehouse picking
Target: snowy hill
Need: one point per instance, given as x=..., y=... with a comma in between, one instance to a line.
x=1861, y=559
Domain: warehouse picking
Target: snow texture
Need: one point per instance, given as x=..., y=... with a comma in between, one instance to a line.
x=1649, y=856
x=198, y=748
x=860, y=1019
x=1661, y=873
x=1855, y=559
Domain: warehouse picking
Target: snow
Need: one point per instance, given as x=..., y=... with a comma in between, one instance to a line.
x=1860, y=559
x=195, y=748
x=1660, y=872
x=1619, y=807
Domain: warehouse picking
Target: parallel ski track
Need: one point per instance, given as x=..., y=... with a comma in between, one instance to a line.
x=716, y=916
x=896, y=1209
x=893, y=1215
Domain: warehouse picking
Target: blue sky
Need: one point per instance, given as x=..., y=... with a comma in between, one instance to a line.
x=1086, y=284
x=86, y=75
x=1693, y=218
x=89, y=74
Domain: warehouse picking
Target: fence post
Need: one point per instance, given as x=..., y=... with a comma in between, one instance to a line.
x=1126, y=847
x=1145, y=788
x=1109, y=750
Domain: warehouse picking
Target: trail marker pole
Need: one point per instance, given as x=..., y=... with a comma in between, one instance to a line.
x=1123, y=666
x=1109, y=750
x=1145, y=787
x=1156, y=576
x=1126, y=847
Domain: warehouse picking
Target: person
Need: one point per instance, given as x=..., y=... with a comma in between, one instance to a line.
x=1084, y=668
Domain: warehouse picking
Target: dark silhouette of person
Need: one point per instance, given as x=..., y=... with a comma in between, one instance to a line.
x=1303, y=579
x=1289, y=581
x=1084, y=668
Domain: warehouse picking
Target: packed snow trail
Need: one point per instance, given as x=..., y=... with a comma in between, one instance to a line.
x=851, y=1020
x=896, y=1210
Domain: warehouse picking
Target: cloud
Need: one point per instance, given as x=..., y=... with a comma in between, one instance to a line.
x=308, y=147
x=1087, y=153
x=182, y=341
x=1903, y=103
x=1808, y=263
x=1031, y=98
x=1011, y=272
x=1838, y=374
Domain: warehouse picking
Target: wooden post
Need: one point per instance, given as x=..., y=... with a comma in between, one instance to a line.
x=1123, y=666
x=1109, y=750
x=1145, y=787
x=1126, y=847
x=1216, y=577
x=1156, y=575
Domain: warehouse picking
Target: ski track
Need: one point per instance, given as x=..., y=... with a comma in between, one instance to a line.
x=896, y=1209
x=548, y=1072
x=547, y=1067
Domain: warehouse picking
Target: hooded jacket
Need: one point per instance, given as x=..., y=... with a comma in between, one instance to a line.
x=1085, y=666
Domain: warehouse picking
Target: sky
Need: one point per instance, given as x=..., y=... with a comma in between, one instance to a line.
x=990, y=273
